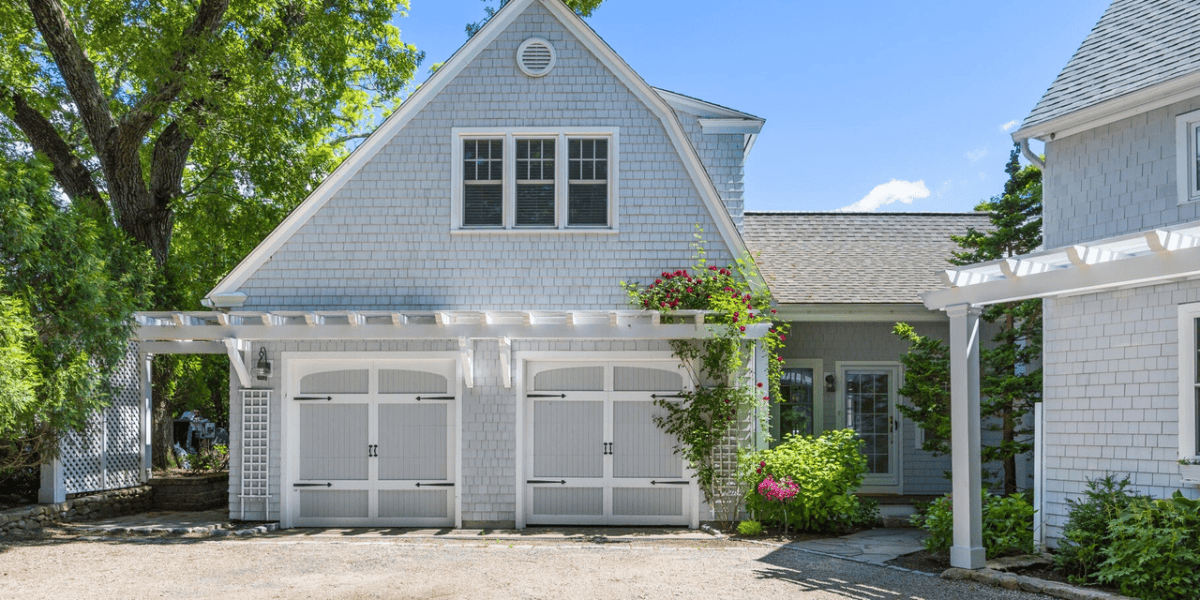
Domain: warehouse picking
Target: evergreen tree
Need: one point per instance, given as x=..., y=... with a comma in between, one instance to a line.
x=1010, y=370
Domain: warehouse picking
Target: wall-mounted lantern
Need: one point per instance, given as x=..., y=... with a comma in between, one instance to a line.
x=263, y=369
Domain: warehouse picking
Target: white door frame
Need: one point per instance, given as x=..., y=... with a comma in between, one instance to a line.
x=818, y=392
x=598, y=357
x=893, y=484
x=289, y=423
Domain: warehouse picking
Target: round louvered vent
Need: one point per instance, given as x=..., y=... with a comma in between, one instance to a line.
x=536, y=57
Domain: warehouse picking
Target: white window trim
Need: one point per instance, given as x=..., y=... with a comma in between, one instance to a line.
x=1185, y=156
x=817, y=365
x=510, y=136
x=1188, y=313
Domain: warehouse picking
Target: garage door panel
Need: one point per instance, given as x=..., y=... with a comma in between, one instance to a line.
x=644, y=502
x=570, y=379
x=339, y=381
x=582, y=501
x=414, y=504
x=644, y=379
x=640, y=448
x=568, y=438
x=318, y=504
x=333, y=442
x=413, y=441
x=402, y=381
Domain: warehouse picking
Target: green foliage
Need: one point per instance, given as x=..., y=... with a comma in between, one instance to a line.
x=1085, y=536
x=1010, y=375
x=211, y=459
x=1154, y=549
x=750, y=528
x=68, y=287
x=1007, y=525
x=927, y=387
x=827, y=469
x=724, y=391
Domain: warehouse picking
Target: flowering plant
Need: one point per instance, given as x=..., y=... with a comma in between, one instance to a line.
x=738, y=313
x=778, y=491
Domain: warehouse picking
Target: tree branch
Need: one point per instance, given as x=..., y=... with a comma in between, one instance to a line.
x=346, y=138
x=66, y=167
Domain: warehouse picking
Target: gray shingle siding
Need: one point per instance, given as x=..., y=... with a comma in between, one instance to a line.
x=1115, y=179
x=384, y=241
x=723, y=155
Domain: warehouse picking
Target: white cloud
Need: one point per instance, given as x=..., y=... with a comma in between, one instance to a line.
x=1009, y=125
x=975, y=155
x=888, y=193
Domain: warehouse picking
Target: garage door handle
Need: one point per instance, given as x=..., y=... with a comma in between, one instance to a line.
x=312, y=485
x=670, y=483
x=435, y=484
x=562, y=482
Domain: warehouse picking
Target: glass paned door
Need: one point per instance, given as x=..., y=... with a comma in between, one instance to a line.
x=870, y=400
x=795, y=413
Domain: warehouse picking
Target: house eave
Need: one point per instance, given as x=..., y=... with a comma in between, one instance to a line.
x=857, y=313
x=1113, y=110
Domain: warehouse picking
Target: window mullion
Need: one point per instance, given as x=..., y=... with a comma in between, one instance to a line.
x=510, y=180
x=561, y=164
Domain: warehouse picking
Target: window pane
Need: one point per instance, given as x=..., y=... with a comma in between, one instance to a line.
x=483, y=206
x=588, y=205
x=535, y=205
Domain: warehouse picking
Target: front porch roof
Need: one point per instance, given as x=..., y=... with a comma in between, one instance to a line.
x=1143, y=258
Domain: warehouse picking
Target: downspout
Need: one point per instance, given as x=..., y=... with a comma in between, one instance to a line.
x=1030, y=156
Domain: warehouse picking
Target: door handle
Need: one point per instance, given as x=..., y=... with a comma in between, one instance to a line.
x=372, y=450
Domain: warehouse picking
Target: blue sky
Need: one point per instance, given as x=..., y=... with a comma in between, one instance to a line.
x=891, y=105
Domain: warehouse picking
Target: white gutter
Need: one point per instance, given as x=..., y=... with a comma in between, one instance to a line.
x=1030, y=156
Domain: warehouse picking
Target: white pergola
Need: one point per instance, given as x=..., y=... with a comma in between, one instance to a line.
x=1127, y=261
x=232, y=333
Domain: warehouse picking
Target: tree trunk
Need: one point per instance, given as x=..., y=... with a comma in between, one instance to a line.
x=1010, y=461
x=163, y=419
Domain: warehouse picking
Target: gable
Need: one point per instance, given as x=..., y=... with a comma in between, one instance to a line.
x=378, y=233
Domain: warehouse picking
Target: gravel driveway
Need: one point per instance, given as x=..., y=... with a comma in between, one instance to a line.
x=303, y=566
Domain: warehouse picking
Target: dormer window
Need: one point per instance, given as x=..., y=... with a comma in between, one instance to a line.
x=511, y=180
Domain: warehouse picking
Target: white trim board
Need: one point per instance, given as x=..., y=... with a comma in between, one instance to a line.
x=653, y=101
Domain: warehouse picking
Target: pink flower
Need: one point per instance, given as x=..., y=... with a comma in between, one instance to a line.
x=760, y=384
x=782, y=337
x=742, y=328
x=657, y=281
x=689, y=290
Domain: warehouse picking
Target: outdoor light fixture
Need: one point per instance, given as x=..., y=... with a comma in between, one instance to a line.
x=830, y=383
x=263, y=369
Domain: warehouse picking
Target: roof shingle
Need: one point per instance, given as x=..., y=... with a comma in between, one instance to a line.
x=854, y=258
x=1136, y=44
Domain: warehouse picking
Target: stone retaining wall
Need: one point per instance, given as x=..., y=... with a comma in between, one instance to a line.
x=202, y=492
x=111, y=503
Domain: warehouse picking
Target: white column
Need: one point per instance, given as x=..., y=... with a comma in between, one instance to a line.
x=760, y=377
x=967, y=551
x=53, y=488
x=146, y=414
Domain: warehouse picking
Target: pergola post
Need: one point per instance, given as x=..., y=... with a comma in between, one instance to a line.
x=146, y=413
x=967, y=551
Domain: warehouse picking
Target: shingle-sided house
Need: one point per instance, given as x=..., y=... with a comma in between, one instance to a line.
x=843, y=280
x=438, y=336
x=1120, y=274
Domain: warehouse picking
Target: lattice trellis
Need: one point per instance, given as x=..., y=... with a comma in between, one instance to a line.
x=106, y=454
x=256, y=420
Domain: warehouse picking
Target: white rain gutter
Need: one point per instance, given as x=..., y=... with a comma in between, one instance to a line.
x=1030, y=156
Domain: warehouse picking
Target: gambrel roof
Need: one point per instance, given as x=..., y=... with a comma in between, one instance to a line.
x=1137, y=45
x=854, y=258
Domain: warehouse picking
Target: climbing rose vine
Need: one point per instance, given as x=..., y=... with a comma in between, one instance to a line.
x=706, y=421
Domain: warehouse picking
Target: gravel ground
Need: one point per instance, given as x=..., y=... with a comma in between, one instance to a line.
x=290, y=566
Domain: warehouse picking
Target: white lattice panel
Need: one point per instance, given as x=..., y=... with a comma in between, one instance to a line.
x=256, y=420
x=106, y=454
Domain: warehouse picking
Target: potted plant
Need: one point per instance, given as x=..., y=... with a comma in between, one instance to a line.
x=1189, y=470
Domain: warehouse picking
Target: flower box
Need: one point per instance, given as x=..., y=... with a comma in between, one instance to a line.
x=1190, y=474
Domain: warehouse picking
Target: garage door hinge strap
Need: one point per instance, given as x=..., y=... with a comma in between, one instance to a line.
x=304, y=398
x=670, y=483
x=545, y=395
x=562, y=482
x=666, y=395
x=435, y=485
x=419, y=398
x=312, y=485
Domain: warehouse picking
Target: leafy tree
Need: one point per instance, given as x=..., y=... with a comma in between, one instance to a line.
x=209, y=119
x=583, y=8
x=68, y=286
x=1010, y=370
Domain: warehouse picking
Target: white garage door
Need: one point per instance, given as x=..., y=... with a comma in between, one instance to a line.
x=594, y=455
x=371, y=443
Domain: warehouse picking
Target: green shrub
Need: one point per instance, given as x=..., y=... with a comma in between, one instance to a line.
x=1154, y=549
x=1007, y=525
x=750, y=528
x=867, y=514
x=827, y=469
x=1085, y=536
